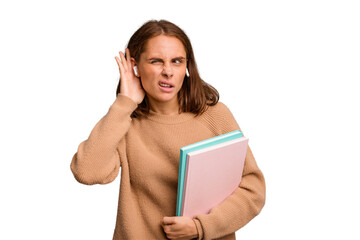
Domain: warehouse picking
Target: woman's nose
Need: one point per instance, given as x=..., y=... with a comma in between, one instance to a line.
x=167, y=71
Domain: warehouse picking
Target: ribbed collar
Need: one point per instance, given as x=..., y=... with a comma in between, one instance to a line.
x=170, y=119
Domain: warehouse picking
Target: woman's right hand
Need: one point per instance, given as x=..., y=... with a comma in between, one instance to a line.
x=130, y=85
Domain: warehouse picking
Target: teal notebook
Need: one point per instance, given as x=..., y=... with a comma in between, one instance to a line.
x=194, y=147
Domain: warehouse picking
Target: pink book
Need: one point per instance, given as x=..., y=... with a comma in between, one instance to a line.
x=212, y=174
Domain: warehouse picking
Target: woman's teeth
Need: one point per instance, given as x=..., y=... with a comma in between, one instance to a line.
x=165, y=85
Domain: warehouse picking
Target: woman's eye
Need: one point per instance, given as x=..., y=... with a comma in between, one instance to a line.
x=177, y=61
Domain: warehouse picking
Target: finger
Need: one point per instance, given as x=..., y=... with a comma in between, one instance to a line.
x=118, y=61
x=123, y=60
x=168, y=220
x=167, y=229
x=175, y=228
x=170, y=236
x=128, y=57
x=121, y=68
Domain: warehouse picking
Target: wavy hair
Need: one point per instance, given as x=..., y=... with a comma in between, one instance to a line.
x=195, y=94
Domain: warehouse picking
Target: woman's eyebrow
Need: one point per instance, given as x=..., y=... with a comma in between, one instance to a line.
x=160, y=59
x=154, y=58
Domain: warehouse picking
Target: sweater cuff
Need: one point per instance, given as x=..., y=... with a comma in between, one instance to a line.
x=199, y=229
x=125, y=102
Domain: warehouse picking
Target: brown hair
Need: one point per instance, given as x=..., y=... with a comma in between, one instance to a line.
x=195, y=94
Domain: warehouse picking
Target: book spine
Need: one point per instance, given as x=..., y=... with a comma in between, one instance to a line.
x=182, y=165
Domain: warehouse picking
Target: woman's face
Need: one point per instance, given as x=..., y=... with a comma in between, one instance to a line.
x=162, y=69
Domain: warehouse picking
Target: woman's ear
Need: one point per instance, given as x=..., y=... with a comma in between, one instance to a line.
x=134, y=67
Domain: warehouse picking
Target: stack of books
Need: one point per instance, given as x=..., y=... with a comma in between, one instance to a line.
x=209, y=172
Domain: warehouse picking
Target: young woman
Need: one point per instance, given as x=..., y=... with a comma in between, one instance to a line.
x=162, y=104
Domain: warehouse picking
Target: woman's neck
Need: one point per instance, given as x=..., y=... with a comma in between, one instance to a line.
x=165, y=108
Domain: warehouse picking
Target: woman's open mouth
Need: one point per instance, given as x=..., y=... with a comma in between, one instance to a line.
x=166, y=87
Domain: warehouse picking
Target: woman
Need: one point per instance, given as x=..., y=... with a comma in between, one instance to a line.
x=162, y=104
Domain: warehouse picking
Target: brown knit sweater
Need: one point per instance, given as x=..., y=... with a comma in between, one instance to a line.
x=148, y=152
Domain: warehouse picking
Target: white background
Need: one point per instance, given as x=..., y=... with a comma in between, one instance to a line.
x=288, y=70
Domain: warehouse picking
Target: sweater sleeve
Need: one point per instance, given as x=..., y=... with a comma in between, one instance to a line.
x=247, y=200
x=97, y=159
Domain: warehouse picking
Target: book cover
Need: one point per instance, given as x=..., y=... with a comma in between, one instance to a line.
x=212, y=174
x=194, y=147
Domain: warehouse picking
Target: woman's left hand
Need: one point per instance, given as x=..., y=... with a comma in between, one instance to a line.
x=179, y=228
